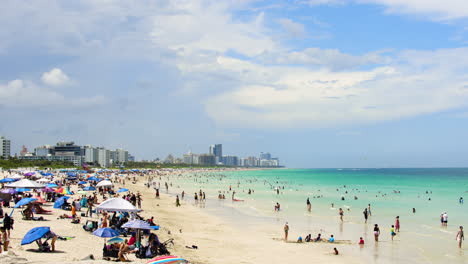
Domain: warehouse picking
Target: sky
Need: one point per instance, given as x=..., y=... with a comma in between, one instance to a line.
x=317, y=83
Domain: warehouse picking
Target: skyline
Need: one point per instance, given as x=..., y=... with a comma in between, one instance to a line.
x=320, y=83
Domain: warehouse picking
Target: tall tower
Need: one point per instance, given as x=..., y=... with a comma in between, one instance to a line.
x=5, y=148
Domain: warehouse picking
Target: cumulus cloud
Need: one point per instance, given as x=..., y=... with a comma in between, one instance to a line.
x=294, y=29
x=55, y=77
x=417, y=83
x=26, y=94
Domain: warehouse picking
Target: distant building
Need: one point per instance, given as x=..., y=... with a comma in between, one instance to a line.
x=207, y=159
x=169, y=159
x=43, y=150
x=5, y=148
x=24, y=151
x=191, y=158
x=91, y=154
x=265, y=156
x=103, y=157
x=217, y=151
x=121, y=156
x=131, y=158
x=231, y=160
x=67, y=149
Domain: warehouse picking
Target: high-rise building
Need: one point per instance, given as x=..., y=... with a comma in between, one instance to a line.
x=217, y=151
x=91, y=154
x=231, y=160
x=207, y=159
x=103, y=157
x=5, y=148
x=265, y=156
x=67, y=149
x=121, y=156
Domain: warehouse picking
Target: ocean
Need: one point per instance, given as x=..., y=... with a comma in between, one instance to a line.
x=391, y=193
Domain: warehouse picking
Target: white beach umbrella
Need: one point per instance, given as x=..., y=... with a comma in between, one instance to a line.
x=104, y=183
x=43, y=180
x=25, y=183
x=117, y=204
x=16, y=176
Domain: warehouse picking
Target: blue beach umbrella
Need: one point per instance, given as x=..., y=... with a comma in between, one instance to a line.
x=106, y=232
x=52, y=185
x=93, y=179
x=23, y=190
x=122, y=190
x=82, y=182
x=60, y=201
x=7, y=180
x=89, y=188
x=35, y=234
x=24, y=201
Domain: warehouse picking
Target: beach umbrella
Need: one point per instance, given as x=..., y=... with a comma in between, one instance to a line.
x=29, y=173
x=35, y=234
x=48, y=190
x=24, y=201
x=23, y=190
x=106, y=232
x=6, y=180
x=115, y=240
x=52, y=185
x=89, y=188
x=25, y=183
x=167, y=260
x=60, y=201
x=93, y=179
x=16, y=177
x=122, y=190
x=43, y=180
x=10, y=191
x=137, y=224
x=82, y=182
x=117, y=205
x=105, y=183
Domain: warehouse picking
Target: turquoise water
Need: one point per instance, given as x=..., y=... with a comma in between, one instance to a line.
x=390, y=192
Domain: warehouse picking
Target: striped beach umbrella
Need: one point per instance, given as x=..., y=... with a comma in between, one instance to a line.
x=167, y=260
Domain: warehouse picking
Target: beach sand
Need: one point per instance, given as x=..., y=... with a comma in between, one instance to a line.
x=217, y=241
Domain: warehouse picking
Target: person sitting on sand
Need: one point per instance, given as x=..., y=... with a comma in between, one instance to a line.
x=332, y=239
x=125, y=249
x=335, y=251
x=308, y=238
x=299, y=239
x=318, y=238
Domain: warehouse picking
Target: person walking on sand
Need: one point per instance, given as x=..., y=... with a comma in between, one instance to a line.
x=366, y=215
x=376, y=232
x=397, y=224
x=460, y=236
x=286, y=230
x=309, y=206
x=341, y=213
x=369, y=210
x=177, y=201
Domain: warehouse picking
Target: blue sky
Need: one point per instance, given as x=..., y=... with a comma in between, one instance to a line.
x=318, y=83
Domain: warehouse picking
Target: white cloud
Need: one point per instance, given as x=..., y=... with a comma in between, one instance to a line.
x=55, y=77
x=294, y=29
x=21, y=93
x=417, y=83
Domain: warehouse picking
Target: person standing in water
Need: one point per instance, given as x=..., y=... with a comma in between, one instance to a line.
x=286, y=231
x=309, y=206
x=460, y=236
x=366, y=214
x=397, y=224
x=369, y=210
x=341, y=213
x=376, y=232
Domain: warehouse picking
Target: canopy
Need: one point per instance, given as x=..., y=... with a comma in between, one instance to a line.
x=106, y=232
x=43, y=180
x=35, y=234
x=117, y=204
x=24, y=201
x=25, y=183
x=105, y=183
x=137, y=224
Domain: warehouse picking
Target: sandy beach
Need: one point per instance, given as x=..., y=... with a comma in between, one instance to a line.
x=188, y=225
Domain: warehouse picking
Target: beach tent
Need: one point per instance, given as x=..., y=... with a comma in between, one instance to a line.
x=25, y=183
x=117, y=204
x=105, y=183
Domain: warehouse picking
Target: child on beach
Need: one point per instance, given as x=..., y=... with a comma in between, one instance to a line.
x=392, y=231
x=361, y=241
x=335, y=251
x=376, y=232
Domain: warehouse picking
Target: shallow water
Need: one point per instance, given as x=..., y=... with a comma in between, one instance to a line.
x=390, y=192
